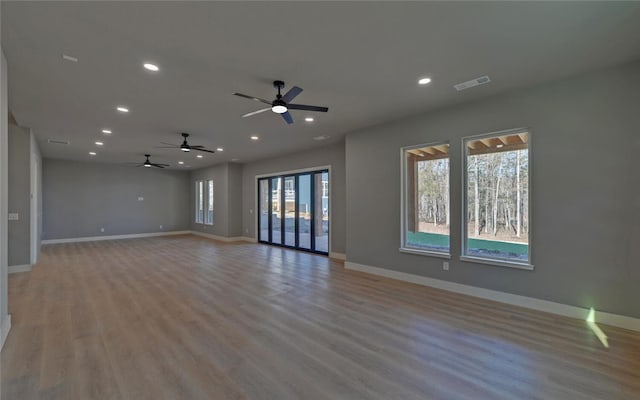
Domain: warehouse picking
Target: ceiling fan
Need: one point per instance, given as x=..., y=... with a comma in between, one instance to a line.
x=149, y=164
x=185, y=146
x=281, y=104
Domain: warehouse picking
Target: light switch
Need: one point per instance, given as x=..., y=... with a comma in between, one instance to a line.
x=140, y=198
x=13, y=216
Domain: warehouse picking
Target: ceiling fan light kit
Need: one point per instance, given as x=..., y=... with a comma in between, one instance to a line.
x=281, y=105
x=149, y=164
x=185, y=146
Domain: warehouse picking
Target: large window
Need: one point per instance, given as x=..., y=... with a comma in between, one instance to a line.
x=496, y=204
x=204, y=202
x=199, y=202
x=426, y=214
x=209, y=215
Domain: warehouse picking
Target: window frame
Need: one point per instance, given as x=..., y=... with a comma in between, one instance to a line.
x=403, y=202
x=202, y=187
x=209, y=190
x=528, y=265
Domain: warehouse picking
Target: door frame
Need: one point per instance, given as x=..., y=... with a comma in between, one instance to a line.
x=283, y=174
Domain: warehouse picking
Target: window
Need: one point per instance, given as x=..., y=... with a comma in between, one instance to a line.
x=496, y=203
x=199, y=202
x=204, y=202
x=209, y=215
x=425, y=204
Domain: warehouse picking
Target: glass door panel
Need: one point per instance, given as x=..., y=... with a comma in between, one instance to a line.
x=304, y=211
x=321, y=211
x=290, y=211
x=263, y=222
x=276, y=210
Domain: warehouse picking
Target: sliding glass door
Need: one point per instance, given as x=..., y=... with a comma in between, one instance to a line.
x=294, y=210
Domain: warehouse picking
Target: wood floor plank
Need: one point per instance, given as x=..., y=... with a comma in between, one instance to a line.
x=186, y=317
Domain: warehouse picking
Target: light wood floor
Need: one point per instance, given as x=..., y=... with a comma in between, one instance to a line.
x=189, y=318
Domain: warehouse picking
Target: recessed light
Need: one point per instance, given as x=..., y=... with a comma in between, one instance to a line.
x=254, y=137
x=106, y=131
x=92, y=153
x=424, y=81
x=309, y=119
x=99, y=144
x=500, y=146
x=322, y=137
x=180, y=162
x=220, y=149
x=235, y=159
x=151, y=67
x=199, y=156
x=69, y=58
x=122, y=109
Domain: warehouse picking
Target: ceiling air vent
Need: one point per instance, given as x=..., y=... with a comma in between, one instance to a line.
x=55, y=141
x=474, y=82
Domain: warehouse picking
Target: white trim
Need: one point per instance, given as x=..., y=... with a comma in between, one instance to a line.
x=13, y=269
x=498, y=263
x=224, y=238
x=502, y=297
x=4, y=330
x=427, y=253
x=114, y=237
x=338, y=256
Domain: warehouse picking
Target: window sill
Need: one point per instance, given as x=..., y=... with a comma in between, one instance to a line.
x=427, y=253
x=498, y=263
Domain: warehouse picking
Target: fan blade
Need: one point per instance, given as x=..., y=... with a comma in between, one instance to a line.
x=170, y=144
x=291, y=94
x=253, y=98
x=256, y=112
x=287, y=117
x=208, y=151
x=167, y=147
x=306, y=108
x=160, y=165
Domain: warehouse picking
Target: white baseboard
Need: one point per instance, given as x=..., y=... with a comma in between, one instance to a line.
x=621, y=321
x=19, y=268
x=224, y=238
x=114, y=237
x=5, y=327
x=338, y=256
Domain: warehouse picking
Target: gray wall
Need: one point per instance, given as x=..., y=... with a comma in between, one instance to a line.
x=20, y=195
x=235, y=199
x=333, y=155
x=36, y=155
x=81, y=197
x=585, y=134
x=4, y=184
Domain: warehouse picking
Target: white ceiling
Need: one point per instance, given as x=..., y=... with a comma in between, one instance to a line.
x=360, y=59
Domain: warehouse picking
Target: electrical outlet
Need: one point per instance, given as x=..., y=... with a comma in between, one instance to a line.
x=160, y=226
x=246, y=231
x=101, y=229
x=445, y=265
x=251, y=211
x=140, y=198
